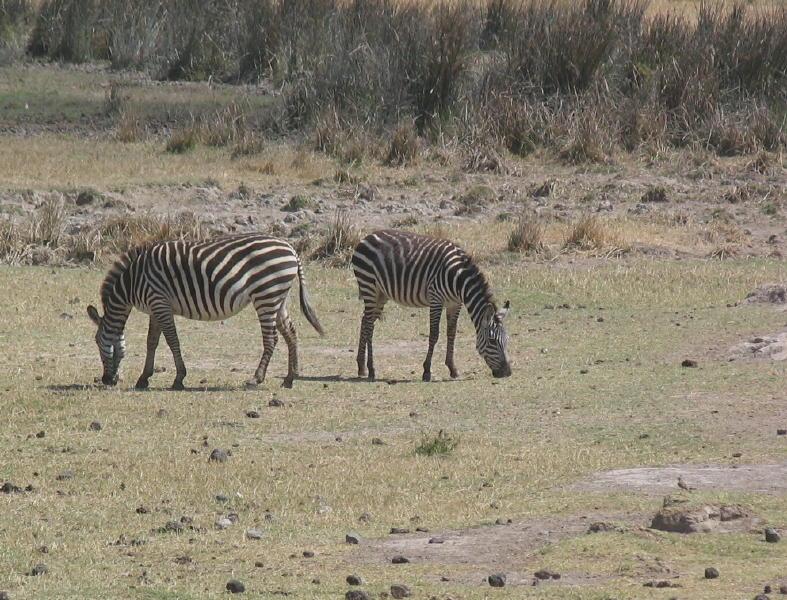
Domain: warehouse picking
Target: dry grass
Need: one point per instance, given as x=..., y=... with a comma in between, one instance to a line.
x=527, y=236
x=339, y=241
x=594, y=234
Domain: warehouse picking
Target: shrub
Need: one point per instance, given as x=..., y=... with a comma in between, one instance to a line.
x=475, y=199
x=298, y=202
x=184, y=139
x=527, y=236
x=440, y=445
x=15, y=18
x=339, y=241
x=591, y=233
x=403, y=148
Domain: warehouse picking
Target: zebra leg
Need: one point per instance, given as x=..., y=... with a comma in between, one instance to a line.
x=435, y=312
x=452, y=316
x=371, y=312
x=269, y=339
x=154, y=334
x=166, y=322
x=286, y=328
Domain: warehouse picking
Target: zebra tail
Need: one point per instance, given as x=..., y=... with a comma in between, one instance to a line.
x=306, y=308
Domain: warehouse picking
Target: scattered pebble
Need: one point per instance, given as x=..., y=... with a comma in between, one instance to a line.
x=399, y=530
x=95, y=426
x=219, y=455
x=545, y=574
x=308, y=554
x=354, y=580
x=377, y=442
x=252, y=414
x=223, y=523
x=497, y=580
x=399, y=560
x=356, y=595
x=689, y=363
x=254, y=534
x=352, y=538
x=41, y=434
x=39, y=569
x=711, y=573
x=65, y=475
x=399, y=591
x=275, y=402
x=235, y=587
x=771, y=535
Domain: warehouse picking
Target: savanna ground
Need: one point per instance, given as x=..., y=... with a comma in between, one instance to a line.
x=619, y=265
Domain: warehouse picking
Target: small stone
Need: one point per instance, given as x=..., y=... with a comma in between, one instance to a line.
x=771, y=535
x=377, y=442
x=783, y=589
x=40, y=434
x=252, y=414
x=711, y=573
x=141, y=510
x=497, y=580
x=399, y=530
x=661, y=584
x=65, y=475
x=275, y=402
x=39, y=569
x=95, y=426
x=235, y=587
x=400, y=591
x=767, y=589
x=308, y=554
x=781, y=432
x=10, y=488
x=354, y=580
x=399, y=560
x=219, y=455
x=356, y=595
x=545, y=574
x=689, y=363
x=223, y=523
x=437, y=540
x=222, y=499
x=316, y=581
x=162, y=412
x=737, y=454
x=365, y=517
x=175, y=526
x=259, y=564
x=761, y=597
x=254, y=534
x=601, y=527
x=352, y=538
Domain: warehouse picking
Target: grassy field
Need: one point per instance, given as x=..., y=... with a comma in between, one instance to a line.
x=521, y=440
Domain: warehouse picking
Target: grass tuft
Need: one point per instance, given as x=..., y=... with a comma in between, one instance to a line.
x=527, y=236
x=441, y=444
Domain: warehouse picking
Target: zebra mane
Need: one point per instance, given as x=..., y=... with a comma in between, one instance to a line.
x=118, y=268
x=469, y=264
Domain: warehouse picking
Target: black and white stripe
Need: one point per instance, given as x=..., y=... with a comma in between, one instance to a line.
x=207, y=281
x=421, y=271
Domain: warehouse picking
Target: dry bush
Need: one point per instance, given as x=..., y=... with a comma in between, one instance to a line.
x=184, y=139
x=592, y=233
x=404, y=146
x=729, y=135
x=484, y=159
x=223, y=127
x=527, y=236
x=119, y=234
x=130, y=127
x=15, y=19
x=339, y=241
x=248, y=144
x=475, y=199
x=588, y=136
x=15, y=248
x=48, y=223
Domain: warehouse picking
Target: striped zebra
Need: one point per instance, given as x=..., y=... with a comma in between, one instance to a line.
x=421, y=271
x=207, y=281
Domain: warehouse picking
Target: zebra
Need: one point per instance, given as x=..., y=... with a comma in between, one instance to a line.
x=420, y=271
x=207, y=281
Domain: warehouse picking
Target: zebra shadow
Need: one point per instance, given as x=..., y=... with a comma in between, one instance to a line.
x=356, y=379
x=82, y=387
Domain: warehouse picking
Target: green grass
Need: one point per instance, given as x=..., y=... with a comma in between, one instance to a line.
x=528, y=436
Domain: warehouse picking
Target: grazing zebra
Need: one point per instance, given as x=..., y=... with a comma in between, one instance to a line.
x=421, y=271
x=207, y=281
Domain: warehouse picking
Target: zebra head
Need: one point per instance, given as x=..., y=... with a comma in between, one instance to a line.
x=492, y=341
x=111, y=347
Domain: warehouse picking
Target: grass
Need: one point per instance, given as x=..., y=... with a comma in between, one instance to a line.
x=290, y=463
x=441, y=444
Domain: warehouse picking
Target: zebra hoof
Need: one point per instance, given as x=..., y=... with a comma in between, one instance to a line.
x=427, y=376
x=252, y=383
x=141, y=384
x=454, y=374
x=178, y=386
x=287, y=383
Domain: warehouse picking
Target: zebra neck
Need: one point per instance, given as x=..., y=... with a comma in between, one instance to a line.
x=477, y=297
x=116, y=296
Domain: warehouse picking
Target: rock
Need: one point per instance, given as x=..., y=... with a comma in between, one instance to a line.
x=141, y=510
x=689, y=363
x=259, y=564
x=767, y=589
x=40, y=434
x=365, y=517
x=761, y=597
x=354, y=580
x=223, y=523
x=175, y=526
x=686, y=520
x=219, y=455
x=437, y=540
x=235, y=587
x=497, y=580
x=711, y=573
x=377, y=442
x=771, y=535
x=39, y=569
x=783, y=589
x=254, y=534
x=399, y=530
x=399, y=560
x=222, y=499
x=731, y=512
x=65, y=475
x=352, y=538
x=275, y=402
x=545, y=574
x=781, y=432
x=95, y=426
x=252, y=414
x=10, y=488
x=356, y=595
x=400, y=591
x=661, y=584
x=602, y=527
x=655, y=194
x=308, y=554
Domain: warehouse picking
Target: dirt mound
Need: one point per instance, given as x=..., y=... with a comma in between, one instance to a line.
x=769, y=479
x=703, y=519
x=770, y=293
x=773, y=346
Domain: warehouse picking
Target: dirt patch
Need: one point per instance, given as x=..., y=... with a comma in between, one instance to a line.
x=767, y=479
x=704, y=519
x=772, y=346
x=508, y=548
x=771, y=293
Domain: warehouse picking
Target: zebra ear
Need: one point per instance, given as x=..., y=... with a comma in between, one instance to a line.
x=501, y=314
x=93, y=314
